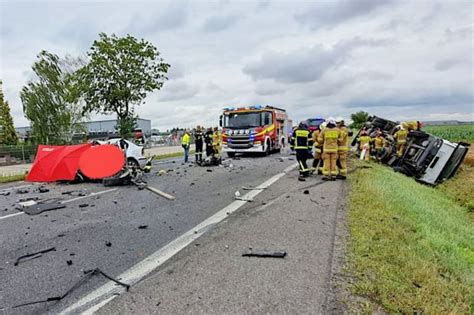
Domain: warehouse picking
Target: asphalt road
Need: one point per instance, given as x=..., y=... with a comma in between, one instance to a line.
x=105, y=232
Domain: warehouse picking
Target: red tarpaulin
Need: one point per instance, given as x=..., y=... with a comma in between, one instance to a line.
x=53, y=163
x=101, y=161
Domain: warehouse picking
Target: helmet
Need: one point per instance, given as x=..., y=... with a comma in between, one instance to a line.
x=303, y=125
x=322, y=126
x=400, y=127
x=339, y=119
x=331, y=120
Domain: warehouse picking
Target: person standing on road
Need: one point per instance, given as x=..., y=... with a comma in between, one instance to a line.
x=217, y=143
x=208, y=141
x=342, y=148
x=185, y=143
x=198, y=142
x=301, y=141
x=330, y=137
x=317, y=151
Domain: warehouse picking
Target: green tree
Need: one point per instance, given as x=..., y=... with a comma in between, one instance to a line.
x=358, y=119
x=7, y=130
x=51, y=102
x=121, y=71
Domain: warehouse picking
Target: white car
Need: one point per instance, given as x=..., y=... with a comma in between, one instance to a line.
x=135, y=153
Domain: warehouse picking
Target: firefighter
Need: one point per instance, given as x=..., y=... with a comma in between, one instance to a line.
x=198, y=142
x=401, y=137
x=379, y=145
x=208, y=141
x=329, y=137
x=292, y=145
x=185, y=143
x=364, y=145
x=217, y=143
x=412, y=125
x=317, y=163
x=301, y=142
x=342, y=148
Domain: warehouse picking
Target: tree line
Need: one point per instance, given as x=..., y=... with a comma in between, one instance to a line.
x=114, y=77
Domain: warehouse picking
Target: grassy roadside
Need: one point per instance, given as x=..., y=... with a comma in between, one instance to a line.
x=412, y=246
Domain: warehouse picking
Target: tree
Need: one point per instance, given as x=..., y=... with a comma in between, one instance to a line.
x=7, y=130
x=51, y=102
x=119, y=75
x=358, y=119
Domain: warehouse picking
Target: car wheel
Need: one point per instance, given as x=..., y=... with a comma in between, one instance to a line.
x=132, y=163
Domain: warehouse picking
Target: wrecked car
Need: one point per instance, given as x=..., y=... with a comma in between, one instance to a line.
x=135, y=153
x=427, y=158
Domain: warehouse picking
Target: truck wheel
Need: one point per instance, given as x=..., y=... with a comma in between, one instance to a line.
x=268, y=149
x=231, y=154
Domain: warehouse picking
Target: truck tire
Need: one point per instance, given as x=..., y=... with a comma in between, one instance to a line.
x=268, y=149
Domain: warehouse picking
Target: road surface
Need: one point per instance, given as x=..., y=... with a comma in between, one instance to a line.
x=116, y=229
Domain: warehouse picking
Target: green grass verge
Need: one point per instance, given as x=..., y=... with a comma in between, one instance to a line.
x=411, y=248
x=12, y=178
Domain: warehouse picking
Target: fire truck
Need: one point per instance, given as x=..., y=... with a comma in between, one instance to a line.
x=259, y=129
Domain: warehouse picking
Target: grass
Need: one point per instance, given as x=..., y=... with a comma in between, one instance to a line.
x=412, y=246
x=171, y=155
x=454, y=133
x=12, y=178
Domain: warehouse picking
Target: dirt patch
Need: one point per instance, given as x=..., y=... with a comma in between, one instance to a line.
x=469, y=160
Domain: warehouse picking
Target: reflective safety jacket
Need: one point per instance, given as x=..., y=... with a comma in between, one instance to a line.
x=208, y=137
x=301, y=139
x=316, y=143
x=216, y=138
x=410, y=125
x=343, y=143
x=363, y=140
x=401, y=136
x=378, y=142
x=330, y=137
x=185, y=140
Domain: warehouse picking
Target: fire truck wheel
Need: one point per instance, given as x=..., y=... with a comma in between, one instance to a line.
x=268, y=149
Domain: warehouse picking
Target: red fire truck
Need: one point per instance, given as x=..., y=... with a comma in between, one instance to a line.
x=254, y=129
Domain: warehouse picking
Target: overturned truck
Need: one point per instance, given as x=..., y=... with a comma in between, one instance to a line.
x=427, y=158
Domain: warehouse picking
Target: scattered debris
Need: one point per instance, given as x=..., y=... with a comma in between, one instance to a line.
x=26, y=204
x=4, y=193
x=162, y=172
x=33, y=255
x=22, y=191
x=28, y=199
x=209, y=170
x=108, y=244
x=253, y=188
x=42, y=189
x=83, y=205
x=306, y=192
x=42, y=207
x=88, y=274
x=160, y=193
x=141, y=227
x=237, y=194
x=265, y=254
x=69, y=262
x=301, y=179
x=61, y=235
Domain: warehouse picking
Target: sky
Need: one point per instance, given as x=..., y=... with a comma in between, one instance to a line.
x=396, y=59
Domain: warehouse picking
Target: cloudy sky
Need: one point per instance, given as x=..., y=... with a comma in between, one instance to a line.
x=396, y=59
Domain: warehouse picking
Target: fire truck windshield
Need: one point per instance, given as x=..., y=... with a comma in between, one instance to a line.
x=242, y=120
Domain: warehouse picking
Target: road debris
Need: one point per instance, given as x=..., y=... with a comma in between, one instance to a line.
x=4, y=193
x=160, y=193
x=265, y=254
x=306, y=192
x=26, y=204
x=33, y=255
x=42, y=207
x=88, y=275
x=42, y=189
x=142, y=227
x=83, y=205
x=69, y=262
x=237, y=194
x=108, y=244
x=22, y=191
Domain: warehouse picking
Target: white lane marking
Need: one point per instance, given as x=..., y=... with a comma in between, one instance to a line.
x=90, y=195
x=67, y=201
x=110, y=290
x=11, y=215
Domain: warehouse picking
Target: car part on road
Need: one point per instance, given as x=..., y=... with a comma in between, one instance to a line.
x=26, y=204
x=42, y=207
x=22, y=191
x=265, y=254
x=4, y=193
x=33, y=255
x=88, y=275
x=142, y=227
x=160, y=193
x=42, y=189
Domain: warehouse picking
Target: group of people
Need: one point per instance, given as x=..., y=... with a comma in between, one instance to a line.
x=331, y=144
x=212, y=138
x=375, y=146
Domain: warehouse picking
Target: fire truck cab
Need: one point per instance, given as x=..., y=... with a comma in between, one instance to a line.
x=259, y=129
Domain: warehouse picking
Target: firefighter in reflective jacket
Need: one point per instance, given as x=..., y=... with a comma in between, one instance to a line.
x=342, y=148
x=412, y=125
x=329, y=137
x=317, y=163
x=401, y=138
x=379, y=145
x=364, y=145
x=217, y=142
x=302, y=143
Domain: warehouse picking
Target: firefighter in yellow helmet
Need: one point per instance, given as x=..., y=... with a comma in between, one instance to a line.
x=364, y=145
x=217, y=143
x=318, y=147
x=412, y=125
x=302, y=143
x=330, y=137
x=379, y=145
x=342, y=149
x=401, y=137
